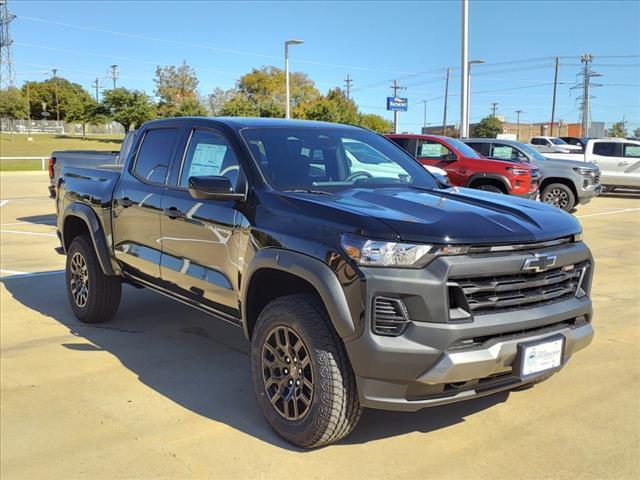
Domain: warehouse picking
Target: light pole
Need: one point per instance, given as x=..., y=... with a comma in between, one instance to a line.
x=287, y=107
x=518, y=112
x=464, y=65
x=471, y=62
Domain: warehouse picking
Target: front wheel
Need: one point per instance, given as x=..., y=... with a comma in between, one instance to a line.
x=301, y=375
x=558, y=195
x=94, y=296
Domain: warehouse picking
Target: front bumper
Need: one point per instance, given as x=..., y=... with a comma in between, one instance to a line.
x=437, y=360
x=585, y=194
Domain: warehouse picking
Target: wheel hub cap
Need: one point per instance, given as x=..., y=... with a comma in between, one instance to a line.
x=287, y=373
x=557, y=198
x=79, y=281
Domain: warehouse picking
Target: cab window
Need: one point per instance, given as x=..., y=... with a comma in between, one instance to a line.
x=631, y=150
x=431, y=149
x=505, y=152
x=606, y=149
x=154, y=155
x=209, y=154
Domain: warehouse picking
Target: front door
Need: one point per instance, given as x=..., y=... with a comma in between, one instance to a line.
x=137, y=202
x=202, y=240
x=431, y=152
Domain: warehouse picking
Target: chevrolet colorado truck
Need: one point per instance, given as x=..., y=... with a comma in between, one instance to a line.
x=563, y=183
x=358, y=285
x=466, y=168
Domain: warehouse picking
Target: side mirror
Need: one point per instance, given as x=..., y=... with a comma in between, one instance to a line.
x=213, y=188
x=449, y=157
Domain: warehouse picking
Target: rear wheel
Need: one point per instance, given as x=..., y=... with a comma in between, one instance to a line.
x=94, y=296
x=302, y=378
x=558, y=195
x=487, y=187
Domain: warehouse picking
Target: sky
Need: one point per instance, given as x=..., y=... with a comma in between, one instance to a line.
x=374, y=42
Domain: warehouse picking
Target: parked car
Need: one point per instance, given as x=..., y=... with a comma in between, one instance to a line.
x=577, y=141
x=553, y=145
x=85, y=158
x=356, y=287
x=618, y=160
x=466, y=168
x=563, y=183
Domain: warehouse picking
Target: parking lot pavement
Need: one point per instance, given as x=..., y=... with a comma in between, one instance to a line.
x=164, y=391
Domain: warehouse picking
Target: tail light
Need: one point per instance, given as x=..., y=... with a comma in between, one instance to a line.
x=52, y=161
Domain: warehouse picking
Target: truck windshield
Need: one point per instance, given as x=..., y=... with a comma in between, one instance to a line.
x=531, y=151
x=331, y=159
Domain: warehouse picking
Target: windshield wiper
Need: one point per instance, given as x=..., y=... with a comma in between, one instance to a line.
x=316, y=192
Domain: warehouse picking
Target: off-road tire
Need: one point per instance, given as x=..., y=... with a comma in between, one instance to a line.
x=558, y=195
x=487, y=187
x=334, y=409
x=102, y=291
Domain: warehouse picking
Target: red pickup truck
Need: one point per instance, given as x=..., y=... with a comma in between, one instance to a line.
x=466, y=168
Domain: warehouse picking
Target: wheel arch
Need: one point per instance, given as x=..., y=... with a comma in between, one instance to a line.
x=275, y=272
x=489, y=178
x=80, y=219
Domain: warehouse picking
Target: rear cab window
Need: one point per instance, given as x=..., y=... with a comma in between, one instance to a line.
x=154, y=155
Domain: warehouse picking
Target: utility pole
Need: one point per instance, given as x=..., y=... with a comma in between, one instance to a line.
x=518, y=112
x=7, y=67
x=395, y=87
x=114, y=75
x=464, y=69
x=446, y=97
x=555, y=87
x=586, y=86
x=494, y=107
x=28, y=110
x=55, y=80
x=424, y=121
x=97, y=87
x=347, y=83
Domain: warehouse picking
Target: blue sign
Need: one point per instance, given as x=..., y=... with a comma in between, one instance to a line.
x=397, y=104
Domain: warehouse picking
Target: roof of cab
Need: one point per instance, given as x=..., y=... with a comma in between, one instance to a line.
x=238, y=123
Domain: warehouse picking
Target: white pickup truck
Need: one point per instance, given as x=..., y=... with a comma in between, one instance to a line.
x=617, y=158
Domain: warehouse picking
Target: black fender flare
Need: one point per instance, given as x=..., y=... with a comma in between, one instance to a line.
x=317, y=273
x=89, y=217
x=493, y=176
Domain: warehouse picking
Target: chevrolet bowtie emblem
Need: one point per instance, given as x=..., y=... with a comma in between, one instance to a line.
x=539, y=263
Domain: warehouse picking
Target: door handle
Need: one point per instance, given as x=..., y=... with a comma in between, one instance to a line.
x=125, y=202
x=623, y=163
x=172, y=213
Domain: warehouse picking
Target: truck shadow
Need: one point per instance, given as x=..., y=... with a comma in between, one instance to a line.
x=201, y=363
x=48, y=219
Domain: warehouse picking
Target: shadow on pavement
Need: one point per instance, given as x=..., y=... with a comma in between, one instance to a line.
x=49, y=219
x=202, y=363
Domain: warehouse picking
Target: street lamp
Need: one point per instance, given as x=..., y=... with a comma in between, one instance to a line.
x=287, y=107
x=471, y=62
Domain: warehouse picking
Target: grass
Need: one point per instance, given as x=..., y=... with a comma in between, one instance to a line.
x=42, y=145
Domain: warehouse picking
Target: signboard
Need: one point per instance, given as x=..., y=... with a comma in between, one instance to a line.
x=397, y=104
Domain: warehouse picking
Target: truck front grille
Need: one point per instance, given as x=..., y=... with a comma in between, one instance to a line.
x=494, y=294
x=390, y=316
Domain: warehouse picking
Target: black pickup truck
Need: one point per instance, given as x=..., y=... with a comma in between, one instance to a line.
x=359, y=283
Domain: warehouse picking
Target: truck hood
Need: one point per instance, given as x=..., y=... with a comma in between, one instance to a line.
x=450, y=216
x=555, y=161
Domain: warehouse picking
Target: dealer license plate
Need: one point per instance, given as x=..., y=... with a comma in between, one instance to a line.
x=541, y=357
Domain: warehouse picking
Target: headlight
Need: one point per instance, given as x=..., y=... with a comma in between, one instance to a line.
x=586, y=172
x=380, y=253
x=518, y=171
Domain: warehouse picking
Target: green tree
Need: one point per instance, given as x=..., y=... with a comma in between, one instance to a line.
x=489, y=127
x=618, y=130
x=375, y=123
x=636, y=133
x=176, y=86
x=130, y=108
x=332, y=107
x=71, y=98
x=13, y=104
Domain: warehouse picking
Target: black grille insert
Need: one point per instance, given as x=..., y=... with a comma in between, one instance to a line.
x=492, y=294
x=390, y=316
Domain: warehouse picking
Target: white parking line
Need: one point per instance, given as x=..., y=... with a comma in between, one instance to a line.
x=609, y=213
x=20, y=232
x=3, y=203
x=15, y=273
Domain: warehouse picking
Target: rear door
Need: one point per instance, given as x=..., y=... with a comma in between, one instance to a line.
x=137, y=202
x=202, y=240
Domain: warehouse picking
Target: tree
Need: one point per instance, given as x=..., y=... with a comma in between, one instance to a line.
x=13, y=104
x=375, y=123
x=489, y=127
x=71, y=97
x=130, y=108
x=333, y=107
x=636, y=133
x=618, y=130
x=177, y=89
